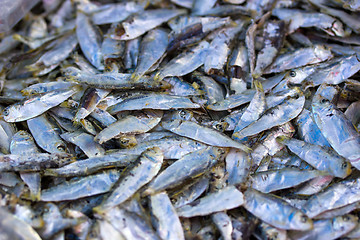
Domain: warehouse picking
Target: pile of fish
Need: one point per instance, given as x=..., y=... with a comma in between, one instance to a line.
x=181, y=119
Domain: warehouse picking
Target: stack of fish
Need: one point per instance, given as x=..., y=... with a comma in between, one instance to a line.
x=191, y=119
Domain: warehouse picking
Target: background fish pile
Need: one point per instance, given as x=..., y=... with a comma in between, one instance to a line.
x=196, y=119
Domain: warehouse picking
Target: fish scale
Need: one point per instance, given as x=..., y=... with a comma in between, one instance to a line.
x=193, y=119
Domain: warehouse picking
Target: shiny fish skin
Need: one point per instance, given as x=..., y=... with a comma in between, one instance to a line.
x=335, y=73
x=143, y=170
x=190, y=193
x=304, y=19
x=224, y=199
x=278, y=115
x=33, y=162
x=181, y=119
x=275, y=211
x=88, y=103
x=337, y=195
x=202, y=134
x=255, y=109
x=37, y=105
x=113, y=13
x=273, y=180
x=314, y=186
x=110, y=80
x=153, y=101
x=213, y=90
x=321, y=158
x=219, y=50
x=46, y=134
x=237, y=166
x=146, y=21
x=45, y=87
x=273, y=34
x=167, y=222
x=232, y=101
x=130, y=225
x=90, y=165
x=299, y=58
x=185, y=62
x=308, y=130
x=131, y=124
x=186, y=168
x=269, y=146
x=223, y=222
x=172, y=147
x=337, y=129
x=328, y=229
x=22, y=143
x=266, y=231
x=89, y=39
x=83, y=187
x=152, y=49
x=85, y=142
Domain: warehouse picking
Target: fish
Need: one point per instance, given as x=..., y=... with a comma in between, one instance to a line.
x=280, y=214
x=143, y=170
x=203, y=134
x=83, y=187
x=211, y=203
x=36, y=105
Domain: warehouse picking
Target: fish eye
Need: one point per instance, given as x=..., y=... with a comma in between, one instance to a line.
x=346, y=218
x=297, y=96
x=61, y=148
x=182, y=113
x=292, y=74
x=344, y=165
x=221, y=151
x=6, y=112
x=323, y=100
x=124, y=141
x=304, y=219
x=219, y=127
x=274, y=237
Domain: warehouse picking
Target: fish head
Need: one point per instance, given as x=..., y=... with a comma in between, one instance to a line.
x=337, y=29
x=221, y=126
x=299, y=221
x=322, y=52
x=127, y=141
x=344, y=223
x=12, y=113
x=344, y=170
